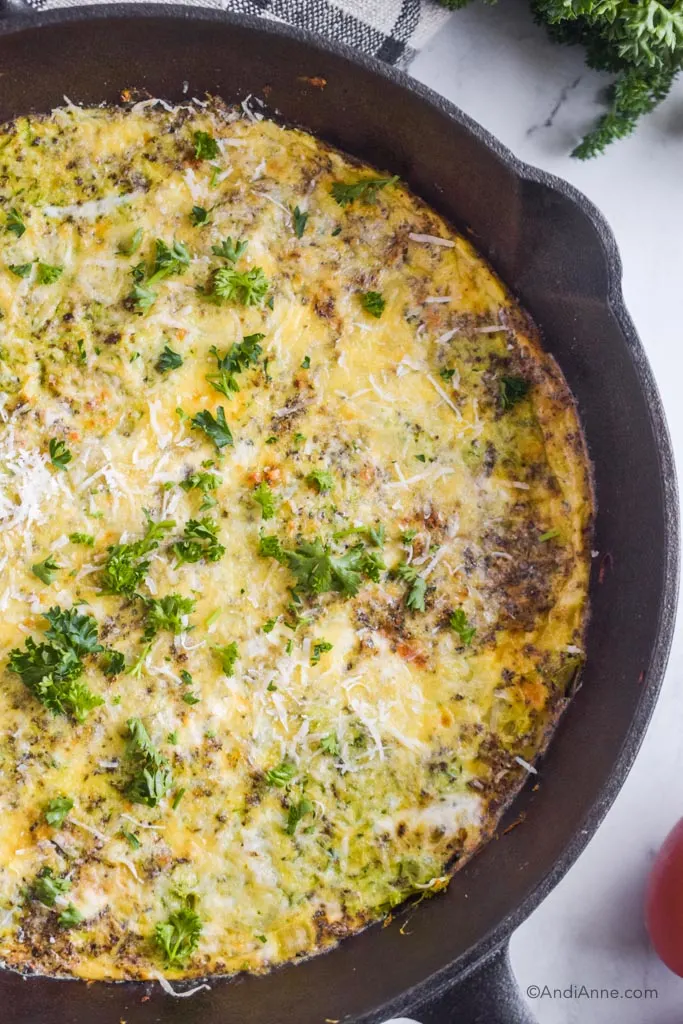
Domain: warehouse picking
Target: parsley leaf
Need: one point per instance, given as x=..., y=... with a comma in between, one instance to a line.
x=200, y=540
x=127, y=564
x=205, y=146
x=71, y=917
x=15, y=222
x=415, y=598
x=264, y=497
x=306, y=363
x=228, y=655
x=296, y=812
x=240, y=356
x=20, y=269
x=131, y=839
x=299, y=218
x=47, y=887
x=168, y=260
x=214, y=427
x=168, y=360
x=47, y=274
x=112, y=662
x=230, y=250
x=142, y=298
x=373, y=303
x=178, y=937
x=72, y=631
x=151, y=777
x=60, y=456
x=201, y=481
x=167, y=613
x=199, y=216
x=46, y=570
x=132, y=245
x=460, y=625
x=282, y=775
x=319, y=648
x=321, y=479
x=512, y=391
x=82, y=538
x=57, y=810
x=191, y=698
x=330, y=745
x=248, y=287
x=364, y=189
x=319, y=570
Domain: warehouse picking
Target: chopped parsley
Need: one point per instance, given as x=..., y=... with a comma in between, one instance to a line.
x=48, y=886
x=20, y=269
x=269, y=626
x=112, y=662
x=131, y=839
x=282, y=775
x=60, y=456
x=247, y=287
x=205, y=146
x=228, y=655
x=132, y=245
x=446, y=374
x=142, y=298
x=460, y=625
x=200, y=540
x=264, y=497
x=57, y=810
x=199, y=216
x=179, y=793
x=319, y=648
x=214, y=427
x=321, y=479
x=549, y=535
x=168, y=360
x=150, y=776
x=46, y=570
x=241, y=355
x=70, y=917
x=191, y=698
x=168, y=260
x=15, y=222
x=203, y=482
x=51, y=670
x=48, y=274
x=295, y=813
x=306, y=363
x=178, y=936
x=127, y=564
x=512, y=391
x=167, y=613
x=82, y=538
x=330, y=745
x=299, y=218
x=415, y=596
x=373, y=303
x=319, y=570
x=230, y=250
x=364, y=189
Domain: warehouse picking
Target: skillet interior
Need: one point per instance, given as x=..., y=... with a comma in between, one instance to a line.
x=558, y=258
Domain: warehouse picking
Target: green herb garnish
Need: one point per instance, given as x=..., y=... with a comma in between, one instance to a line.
x=178, y=937
x=415, y=597
x=20, y=269
x=60, y=456
x=296, y=812
x=240, y=356
x=47, y=274
x=230, y=250
x=321, y=479
x=112, y=662
x=364, y=189
x=282, y=775
x=200, y=540
x=167, y=613
x=264, y=497
x=15, y=222
x=512, y=391
x=57, y=810
x=299, y=218
x=47, y=887
x=199, y=216
x=205, y=146
x=319, y=648
x=70, y=917
x=150, y=779
x=247, y=287
x=460, y=625
x=373, y=303
x=132, y=245
x=215, y=427
x=228, y=655
x=168, y=360
x=46, y=570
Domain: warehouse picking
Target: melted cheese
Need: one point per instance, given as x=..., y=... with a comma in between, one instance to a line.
x=490, y=505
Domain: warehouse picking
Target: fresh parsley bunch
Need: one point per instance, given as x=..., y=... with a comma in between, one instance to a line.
x=640, y=41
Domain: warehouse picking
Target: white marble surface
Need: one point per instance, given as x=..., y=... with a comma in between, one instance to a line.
x=537, y=98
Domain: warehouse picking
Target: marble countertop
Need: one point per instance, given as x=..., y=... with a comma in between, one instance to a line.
x=538, y=98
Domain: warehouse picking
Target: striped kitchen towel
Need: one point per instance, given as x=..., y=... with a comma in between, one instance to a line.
x=393, y=30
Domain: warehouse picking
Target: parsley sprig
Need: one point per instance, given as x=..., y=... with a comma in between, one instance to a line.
x=200, y=541
x=51, y=669
x=128, y=564
x=319, y=569
x=178, y=936
x=150, y=777
x=239, y=357
x=216, y=427
x=167, y=613
x=364, y=189
x=417, y=586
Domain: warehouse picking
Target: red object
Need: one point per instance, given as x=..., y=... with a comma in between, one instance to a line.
x=664, y=901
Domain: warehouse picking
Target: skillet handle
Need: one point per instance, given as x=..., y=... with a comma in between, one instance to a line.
x=488, y=995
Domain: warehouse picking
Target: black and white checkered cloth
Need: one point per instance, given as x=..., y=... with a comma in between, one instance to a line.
x=393, y=30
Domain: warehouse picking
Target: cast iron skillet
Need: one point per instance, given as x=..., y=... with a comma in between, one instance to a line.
x=557, y=254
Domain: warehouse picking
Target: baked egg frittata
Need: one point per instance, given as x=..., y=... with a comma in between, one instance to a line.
x=295, y=522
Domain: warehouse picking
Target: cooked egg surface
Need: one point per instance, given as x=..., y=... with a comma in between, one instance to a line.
x=294, y=541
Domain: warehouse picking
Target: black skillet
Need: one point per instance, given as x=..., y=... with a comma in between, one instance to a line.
x=557, y=254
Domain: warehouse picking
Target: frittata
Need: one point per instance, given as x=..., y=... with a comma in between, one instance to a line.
x=295, y=522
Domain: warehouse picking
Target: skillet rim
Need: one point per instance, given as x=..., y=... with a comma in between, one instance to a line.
x=17, y=18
